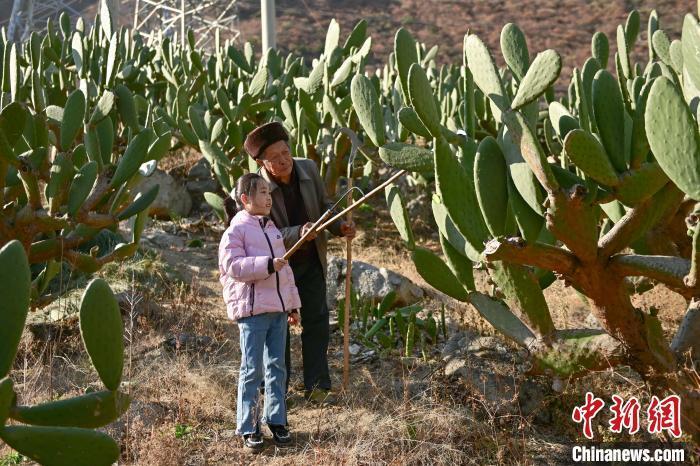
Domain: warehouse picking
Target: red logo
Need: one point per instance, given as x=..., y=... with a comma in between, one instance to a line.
x=665, y=415
x=625, y=415
x=587, y=412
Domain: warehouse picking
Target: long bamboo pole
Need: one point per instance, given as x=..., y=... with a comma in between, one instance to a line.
x=362, y=200
x=303, y=239
x=348, y=290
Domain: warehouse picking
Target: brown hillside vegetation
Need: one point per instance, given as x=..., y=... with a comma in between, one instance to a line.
x=566, y=26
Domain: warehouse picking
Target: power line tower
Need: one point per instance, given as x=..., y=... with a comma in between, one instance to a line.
x=204, y=17
x=31, y=15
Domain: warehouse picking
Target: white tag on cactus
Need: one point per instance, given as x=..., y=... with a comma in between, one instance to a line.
x=148, y=168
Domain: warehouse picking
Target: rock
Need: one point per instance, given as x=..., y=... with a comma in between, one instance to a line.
x=200, y=171
x=354, y=349
x=369, y=282
x=173, y=198
x=592, y=322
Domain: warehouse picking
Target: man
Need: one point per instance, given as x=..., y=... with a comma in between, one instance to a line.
x=298, y=200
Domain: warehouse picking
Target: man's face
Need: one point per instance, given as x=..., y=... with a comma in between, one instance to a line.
x=277, y=160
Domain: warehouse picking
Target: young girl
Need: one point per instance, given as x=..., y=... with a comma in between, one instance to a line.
x=261, y=296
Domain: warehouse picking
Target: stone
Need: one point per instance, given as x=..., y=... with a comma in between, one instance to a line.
x=370, y=282
x=173, y=200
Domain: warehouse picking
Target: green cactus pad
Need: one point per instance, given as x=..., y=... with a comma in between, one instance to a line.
x=133, y=157
x=72, y=121
x=524, y=179
x=81, y=186
x=639, y=144
x=588, y=154
x=485, y=73
x=7, y=399
x=126, y=107
x=529, y=222
x=60, y=175
x=369, y=112
x=543, y=72
x=101, y=329
x=217, y=204
x=600, y=48
x=640, y=184
x=524, y=295
x=662, y=45
x=524, y=138
x=562, y=121
x=406, y=157
x=62, y=446
x=423, y=100
x=397, y=210
x=96, y=409
x=159, y=147
x=450, y=232
x=690, y=41
x=491, y=183
x=105, y=139
x=103, y=107
x=406, y=55
x=410, y=120
x=15, y=284
x=609, y=113
x=456, y=188
x=13, y=119
x=623, y=53
x=673, y=136
x=502, y=319
x=577, y=351
x=141, y=202
x=461, y=266
x=437, y=274
x=514, y=49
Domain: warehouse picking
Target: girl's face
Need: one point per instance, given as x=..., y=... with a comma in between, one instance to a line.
x=259, y=202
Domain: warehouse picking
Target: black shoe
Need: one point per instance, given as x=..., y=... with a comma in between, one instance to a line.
x=280, y=434
x=253, y=441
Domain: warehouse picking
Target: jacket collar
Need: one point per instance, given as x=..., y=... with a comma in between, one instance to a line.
x=243, y=217
x=301, y=174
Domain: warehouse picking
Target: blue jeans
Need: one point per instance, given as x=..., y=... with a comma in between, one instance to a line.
x=263, y=338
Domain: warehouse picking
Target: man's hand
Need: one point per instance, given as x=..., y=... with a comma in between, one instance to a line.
x=306, y=228
x=347, y=229
x=293, y=318
x=278, y=263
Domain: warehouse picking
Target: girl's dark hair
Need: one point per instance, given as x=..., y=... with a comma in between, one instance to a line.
x=246, y=184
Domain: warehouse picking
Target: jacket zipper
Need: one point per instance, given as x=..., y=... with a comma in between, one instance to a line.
x=277, y=275
x=252, y=298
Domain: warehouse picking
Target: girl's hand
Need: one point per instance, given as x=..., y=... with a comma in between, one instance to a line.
x=293, y=318
x=278, y=263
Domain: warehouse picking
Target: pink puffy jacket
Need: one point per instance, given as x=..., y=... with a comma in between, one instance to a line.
x=244, y=252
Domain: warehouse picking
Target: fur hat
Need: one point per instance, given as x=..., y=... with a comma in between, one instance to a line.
x=264, y=136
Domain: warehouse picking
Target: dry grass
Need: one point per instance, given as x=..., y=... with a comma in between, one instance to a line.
x=396, y=411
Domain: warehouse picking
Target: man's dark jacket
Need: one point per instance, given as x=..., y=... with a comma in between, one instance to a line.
x=315, y=200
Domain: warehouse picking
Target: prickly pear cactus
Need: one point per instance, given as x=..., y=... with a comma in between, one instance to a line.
x=61, y=432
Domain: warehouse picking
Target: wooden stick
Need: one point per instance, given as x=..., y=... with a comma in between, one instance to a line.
x=302, y=240
x=362, y=200
x=348, y=289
